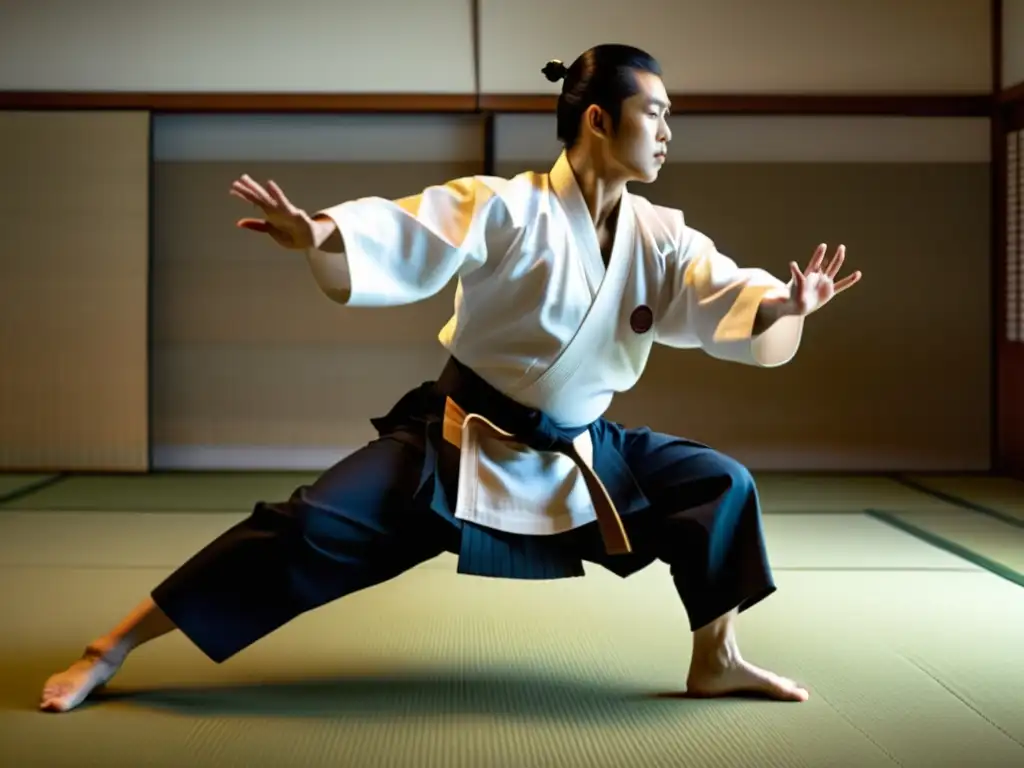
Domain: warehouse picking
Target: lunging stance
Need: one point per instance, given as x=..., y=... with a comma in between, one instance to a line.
x=565, y=281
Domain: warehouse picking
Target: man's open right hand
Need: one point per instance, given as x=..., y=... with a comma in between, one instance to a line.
x=290, y=226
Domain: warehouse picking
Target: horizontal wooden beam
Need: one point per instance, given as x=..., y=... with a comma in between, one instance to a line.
x=1012, y=95
x=242, y=102
x=929, y=105
x=957, y=105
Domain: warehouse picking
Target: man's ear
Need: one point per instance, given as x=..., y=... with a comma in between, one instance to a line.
x=597, y=121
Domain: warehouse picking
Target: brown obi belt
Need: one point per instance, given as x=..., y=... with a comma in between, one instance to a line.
x=470, y=402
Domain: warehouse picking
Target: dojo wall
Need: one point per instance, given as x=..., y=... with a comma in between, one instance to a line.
x=407, y=46
x=254, y=367
x=896, y=373
x=387, y=46
x=250, y=367
x=751, y=46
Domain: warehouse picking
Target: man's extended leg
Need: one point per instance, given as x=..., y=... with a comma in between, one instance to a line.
x=705, y=523
x=355, y=527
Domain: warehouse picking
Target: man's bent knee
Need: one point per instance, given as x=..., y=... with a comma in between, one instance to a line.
x=739, y=477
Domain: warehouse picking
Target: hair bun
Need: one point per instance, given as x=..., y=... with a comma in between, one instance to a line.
x=554, y=70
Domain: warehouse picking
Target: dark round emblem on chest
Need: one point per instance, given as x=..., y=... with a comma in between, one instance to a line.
x=641, y=320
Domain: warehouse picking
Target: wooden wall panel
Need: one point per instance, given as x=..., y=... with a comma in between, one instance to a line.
x=889, y=377
x=74, y=211
x=750, y=46
x=236, y=46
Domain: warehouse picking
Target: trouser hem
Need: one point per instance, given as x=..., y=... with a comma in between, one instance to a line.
x=701, y=615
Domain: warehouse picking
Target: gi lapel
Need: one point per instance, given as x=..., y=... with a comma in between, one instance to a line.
x=581, y=225
x=606, y=285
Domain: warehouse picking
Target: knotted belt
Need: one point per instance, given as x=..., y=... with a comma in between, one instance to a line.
x=468, y=398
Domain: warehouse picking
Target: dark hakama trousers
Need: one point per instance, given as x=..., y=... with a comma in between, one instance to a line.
x=387, y=508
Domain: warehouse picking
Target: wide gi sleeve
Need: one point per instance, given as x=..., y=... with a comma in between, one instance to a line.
x=710, y=302
x=406, y=250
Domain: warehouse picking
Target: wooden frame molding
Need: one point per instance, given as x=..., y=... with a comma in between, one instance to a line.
x=929, y=105
x=912, y=105
x=375, y=103
x=1012, y=95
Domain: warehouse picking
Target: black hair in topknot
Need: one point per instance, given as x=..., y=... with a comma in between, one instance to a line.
x=604, y=76
x=554, y=70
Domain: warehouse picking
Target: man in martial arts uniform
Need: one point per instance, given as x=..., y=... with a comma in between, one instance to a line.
x=565, y=281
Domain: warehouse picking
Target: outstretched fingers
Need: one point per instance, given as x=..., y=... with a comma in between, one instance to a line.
x=837, y=262
x=247, y=189
x=279, y=196
x=798, y=276
x=848, y=281
x=816, y=259
x=243, y=192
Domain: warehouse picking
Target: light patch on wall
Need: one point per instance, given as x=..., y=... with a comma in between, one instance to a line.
x=319, y=138
x=307, y=46
x=755, y=139
x=751, y=46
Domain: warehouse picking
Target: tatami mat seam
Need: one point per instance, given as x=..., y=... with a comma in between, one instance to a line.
x=941, y=542
x=961, y=699
x=31, y=488
x=892, y=758
x=960, y=502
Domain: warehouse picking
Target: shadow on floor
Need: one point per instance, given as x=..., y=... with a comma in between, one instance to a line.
x=406, y=694
x=516, y=694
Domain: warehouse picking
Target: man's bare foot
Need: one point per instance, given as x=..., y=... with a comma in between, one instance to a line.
x=738, y=677
x=718, y=669
x=66, y=690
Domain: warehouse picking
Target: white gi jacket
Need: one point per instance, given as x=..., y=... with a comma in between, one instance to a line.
x=539, y=317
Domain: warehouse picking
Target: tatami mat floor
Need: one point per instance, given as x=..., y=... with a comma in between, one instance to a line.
x=905, y=623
